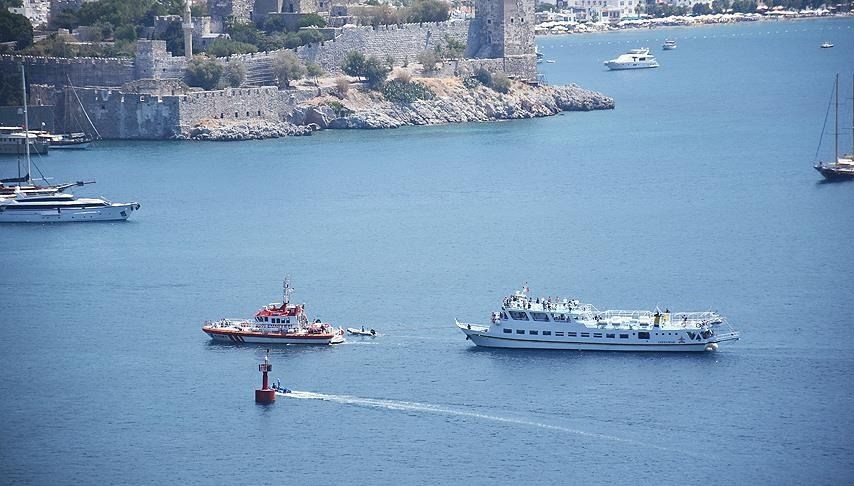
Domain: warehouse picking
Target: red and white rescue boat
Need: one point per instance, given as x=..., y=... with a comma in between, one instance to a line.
x=277, y=323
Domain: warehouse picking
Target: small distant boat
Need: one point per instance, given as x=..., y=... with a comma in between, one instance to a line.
x=669, y=45
x=826, y=45
x=634, y=59
x=550, y=61
x=361, y=332
x=71, y=141
x=842, y=167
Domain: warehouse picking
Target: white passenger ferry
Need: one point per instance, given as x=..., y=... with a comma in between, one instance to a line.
x=276, y=323
x=553, y=323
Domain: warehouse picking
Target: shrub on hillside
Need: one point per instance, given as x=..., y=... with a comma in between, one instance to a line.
x=400, y=92
x=428, y=60
x=500, y=83
x=342, y=86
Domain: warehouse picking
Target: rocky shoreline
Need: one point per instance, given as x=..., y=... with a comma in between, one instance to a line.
x=453, y=103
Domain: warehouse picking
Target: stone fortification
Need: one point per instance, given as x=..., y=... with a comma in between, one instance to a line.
x=171, y=112
x=403, y=43
x=83, y=71
x=152, y=62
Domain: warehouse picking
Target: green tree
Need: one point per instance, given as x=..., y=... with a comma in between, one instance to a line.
x=6, y=4
x=428, y=11
x=125, y=33
x=15, y=27
x=204, y=72
x=64, y=19
x=311, y=20
x=376, y=71
x=309, y=36
x=226, y=47
x=354, y=64
x=287, y=67
x=701, y=9
x=234, y=73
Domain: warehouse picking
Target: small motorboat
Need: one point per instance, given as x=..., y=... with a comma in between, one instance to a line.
x=362, y=331
x=669, y=45
x=279, y=388
x=826, y=45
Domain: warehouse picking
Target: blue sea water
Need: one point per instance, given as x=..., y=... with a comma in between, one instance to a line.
x=696, y=192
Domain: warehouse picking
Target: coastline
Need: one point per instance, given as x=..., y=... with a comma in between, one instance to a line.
x=557, y=28
x=454, y=102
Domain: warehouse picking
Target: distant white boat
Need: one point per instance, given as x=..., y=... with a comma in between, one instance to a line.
x=550, y=61
x=669, y=45
x=826, y=45
x=61, y=207
x=634, y=59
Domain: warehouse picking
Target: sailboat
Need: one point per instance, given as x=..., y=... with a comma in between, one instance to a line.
x=842, y=168
x=44, y=205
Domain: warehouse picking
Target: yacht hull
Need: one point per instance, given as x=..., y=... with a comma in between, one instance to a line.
x=115, y=212
x=835, y=174
x=615, y=66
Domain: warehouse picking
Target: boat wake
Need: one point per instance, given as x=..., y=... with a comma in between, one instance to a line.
x=378, y=403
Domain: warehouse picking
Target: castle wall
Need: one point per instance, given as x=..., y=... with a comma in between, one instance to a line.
x=402, y=43
x=83, y=71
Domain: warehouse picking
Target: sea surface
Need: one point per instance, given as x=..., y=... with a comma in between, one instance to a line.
x=696, y=192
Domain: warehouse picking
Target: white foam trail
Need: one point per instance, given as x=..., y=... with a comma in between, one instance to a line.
x=431, y=408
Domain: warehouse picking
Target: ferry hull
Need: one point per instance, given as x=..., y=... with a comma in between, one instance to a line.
x=480, y=336
x=116, y=212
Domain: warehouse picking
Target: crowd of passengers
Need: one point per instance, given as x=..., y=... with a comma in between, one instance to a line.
x=550, y=303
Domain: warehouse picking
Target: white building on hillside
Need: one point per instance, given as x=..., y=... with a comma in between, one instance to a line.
x=609, y=10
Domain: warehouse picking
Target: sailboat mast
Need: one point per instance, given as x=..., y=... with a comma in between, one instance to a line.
x=26, y=123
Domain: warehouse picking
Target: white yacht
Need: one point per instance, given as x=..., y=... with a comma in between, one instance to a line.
x=669, y=45
x=554, y=323
x=634, y=59
x=61, y=207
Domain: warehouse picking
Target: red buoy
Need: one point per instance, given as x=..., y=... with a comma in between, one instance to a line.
x=265, y=394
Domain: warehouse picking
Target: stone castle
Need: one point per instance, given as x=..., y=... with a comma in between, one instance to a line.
x=119, y=96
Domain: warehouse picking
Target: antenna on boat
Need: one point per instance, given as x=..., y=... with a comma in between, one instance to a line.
x=836, y=132
x=286, y=290
x=26, y=122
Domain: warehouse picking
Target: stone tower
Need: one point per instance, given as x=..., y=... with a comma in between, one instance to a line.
x=188, y=31
x=502, y=28
x=237, y=10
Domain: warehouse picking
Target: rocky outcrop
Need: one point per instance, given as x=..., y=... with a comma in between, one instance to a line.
x=454, y=102
x=246, y=130
x=458, y=104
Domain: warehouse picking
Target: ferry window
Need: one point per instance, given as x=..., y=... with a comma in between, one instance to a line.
x=540, y=316
x=519, y=316
x=520, y=331
x=559, y=317
x=558, y=333
x=547, y=333
x=585, y=334
x=643, y=335
x=597, y=334
x=534, y=332
x=609, y=335
x=624, y=336
x=572, y=334
x=508, y=331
